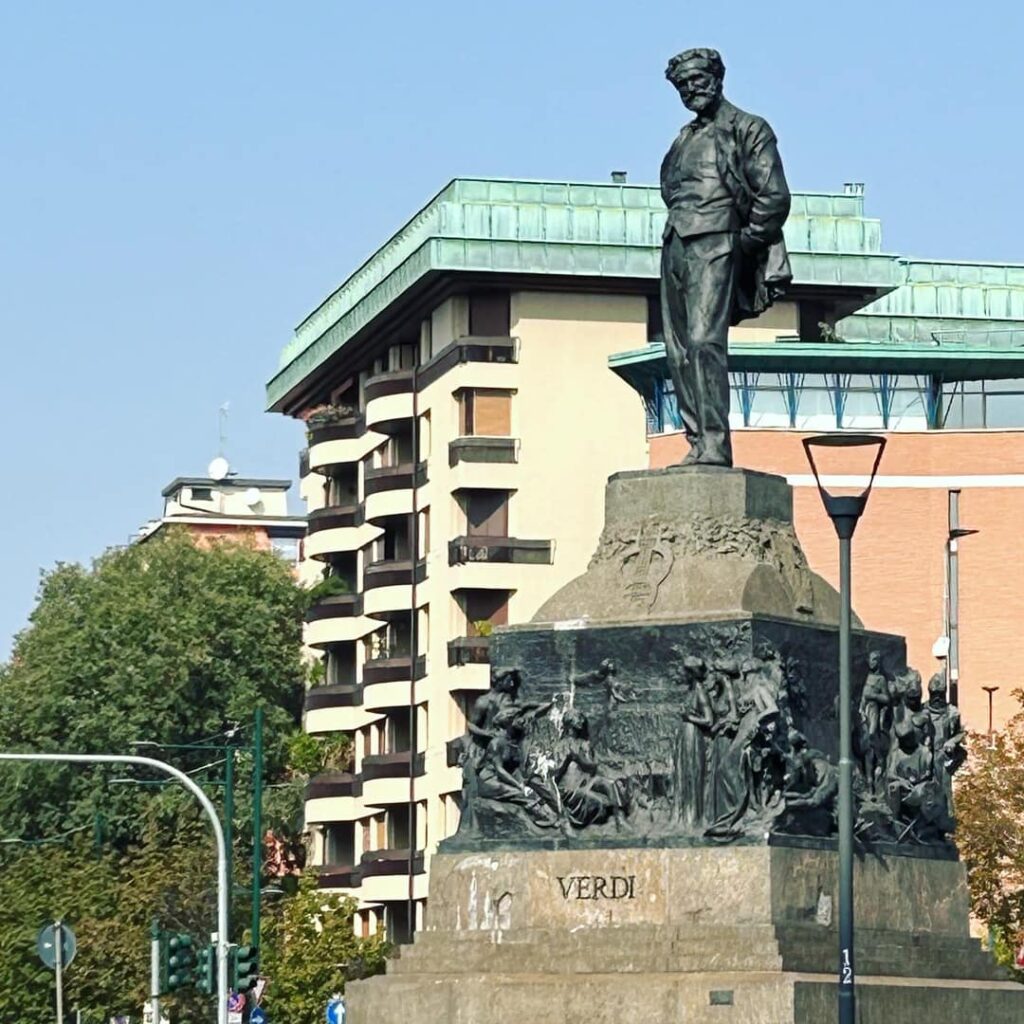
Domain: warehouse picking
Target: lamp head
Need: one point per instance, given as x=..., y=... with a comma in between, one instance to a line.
x=865, y=455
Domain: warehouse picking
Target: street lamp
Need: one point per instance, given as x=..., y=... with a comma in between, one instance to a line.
x=953, y=597
x=845, y=510
x=990, y=690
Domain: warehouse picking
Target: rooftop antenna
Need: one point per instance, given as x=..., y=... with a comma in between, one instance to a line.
x=222, y=427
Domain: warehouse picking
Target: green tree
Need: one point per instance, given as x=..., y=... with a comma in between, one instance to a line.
x=165, y=641
x=309, y=951
x=108, y=899
x=990, y=832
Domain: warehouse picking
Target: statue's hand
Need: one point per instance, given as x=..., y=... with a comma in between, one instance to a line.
x=749, y=243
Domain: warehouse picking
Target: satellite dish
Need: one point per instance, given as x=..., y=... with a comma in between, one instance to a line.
x=218, y=468
x=252, y=496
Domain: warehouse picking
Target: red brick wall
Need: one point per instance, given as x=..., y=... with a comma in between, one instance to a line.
x=899, y=548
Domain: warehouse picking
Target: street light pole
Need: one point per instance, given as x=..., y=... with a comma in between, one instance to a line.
x=990, y=690
x=218, y=834
x=845, y=512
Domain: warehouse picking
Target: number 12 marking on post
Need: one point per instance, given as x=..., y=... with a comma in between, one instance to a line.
x=846, y=970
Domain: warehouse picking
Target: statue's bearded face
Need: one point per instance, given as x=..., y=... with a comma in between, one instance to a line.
x=699, y=88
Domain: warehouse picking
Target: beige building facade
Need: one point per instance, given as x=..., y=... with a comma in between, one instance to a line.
x=457, y=485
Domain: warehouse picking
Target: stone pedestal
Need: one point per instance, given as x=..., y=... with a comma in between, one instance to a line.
x=648, y=829
x=744, y=935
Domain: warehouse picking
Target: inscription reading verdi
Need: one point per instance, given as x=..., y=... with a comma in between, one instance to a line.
x=598, y=887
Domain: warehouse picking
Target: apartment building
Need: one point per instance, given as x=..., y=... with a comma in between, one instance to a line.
x=228, y=506
x=468, y=390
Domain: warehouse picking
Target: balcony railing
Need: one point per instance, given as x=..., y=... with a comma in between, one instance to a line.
x=390, y=766
x=337, y=606
x=499, y=549
x=469, y=650
x=483, y=449
x=342, y=430
x=335, y=695
x=392, y=669
x=334, y=517
x=390, y=862
x=398, y=382
x=338, y=876
x=331, y=784
x=393, y=572
x=468, y=350
x=394, y=478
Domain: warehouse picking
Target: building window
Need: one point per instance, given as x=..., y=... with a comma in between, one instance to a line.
x=201, y=493
x=340, y=843
x=996, y=404
x=490, y=314
x=486, y=513
x=286, y=548
x=485, y=412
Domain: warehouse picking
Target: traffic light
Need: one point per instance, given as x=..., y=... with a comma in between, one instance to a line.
x=245, y=967
x=206, y=970
x=177, y=960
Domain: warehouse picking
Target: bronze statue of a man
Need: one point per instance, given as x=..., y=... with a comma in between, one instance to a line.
x=723, y=258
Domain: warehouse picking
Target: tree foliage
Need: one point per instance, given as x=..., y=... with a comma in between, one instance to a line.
x=310, y=950
x=108, y=898
x=990, y=832
x=165, y=641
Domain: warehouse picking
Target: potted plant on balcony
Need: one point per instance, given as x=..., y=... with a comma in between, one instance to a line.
x=327, y=416
x=329, y=586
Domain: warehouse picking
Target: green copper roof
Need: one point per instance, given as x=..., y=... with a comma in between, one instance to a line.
x=559, y=228
x=614, y=230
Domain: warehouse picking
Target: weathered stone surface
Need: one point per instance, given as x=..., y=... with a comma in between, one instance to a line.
x=695, y=541
x=741, y=934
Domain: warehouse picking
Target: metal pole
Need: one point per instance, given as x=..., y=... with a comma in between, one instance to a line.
x=229, y=826
x=58, y=952
x=952, y=542
x=154, y=970
x=414, y=643
x=990, y=690
x=257, y=822
x=846, y=968
x=218, y=834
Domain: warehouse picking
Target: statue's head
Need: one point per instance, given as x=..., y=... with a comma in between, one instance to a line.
x=506, y=680
x=937, y=688
x=694, y=668
x=912, y=687
x=874, y=661
x=697, y=75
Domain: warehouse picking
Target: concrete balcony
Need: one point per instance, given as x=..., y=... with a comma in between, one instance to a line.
x=387, y=682
x=469, y=650
x=341, y=444
x=389, y=400
x=388, y=490
x=337, y=529
x=342, y=877
x=334, y=796
x=508, y=550
x=385, y=876
x=336, y=708
x=497, y=352
x=483, y=449
x=337, y=619
x=387, y=586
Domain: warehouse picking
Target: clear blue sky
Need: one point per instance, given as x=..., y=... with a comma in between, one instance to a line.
x=181, y=182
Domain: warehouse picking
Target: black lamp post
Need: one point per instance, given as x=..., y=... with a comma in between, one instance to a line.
x=990, y=690
x=845, y=510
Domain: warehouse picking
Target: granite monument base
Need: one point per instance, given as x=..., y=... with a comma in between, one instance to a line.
x=738, y=934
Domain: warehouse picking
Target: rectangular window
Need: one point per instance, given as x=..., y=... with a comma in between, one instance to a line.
x=399, y=735
x=489, y=314
x=340, y=843
x=485, y=413
x=402, y=357
x=201, y=494
x=486, y=513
